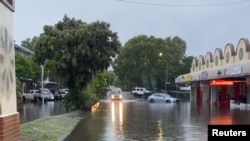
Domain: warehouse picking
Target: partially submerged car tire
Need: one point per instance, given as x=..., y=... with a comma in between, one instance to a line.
x=151, y=100
x=168, y=101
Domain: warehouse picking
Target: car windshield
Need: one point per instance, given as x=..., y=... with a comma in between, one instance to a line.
x=116, y=92
x=166, y=95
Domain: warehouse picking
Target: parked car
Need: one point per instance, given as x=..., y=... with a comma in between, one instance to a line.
x=116, y=94
x=140, y=92
x=162, y=97
x=61, y=93
x=29, y=96
x=44, y=93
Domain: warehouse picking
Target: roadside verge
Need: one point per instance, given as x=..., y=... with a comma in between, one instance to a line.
x=50, y=128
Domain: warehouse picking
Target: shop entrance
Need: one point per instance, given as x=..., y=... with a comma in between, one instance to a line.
x=222, y=95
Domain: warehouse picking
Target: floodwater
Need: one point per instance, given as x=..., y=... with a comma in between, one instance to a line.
x=138, y=120
x=33, y=110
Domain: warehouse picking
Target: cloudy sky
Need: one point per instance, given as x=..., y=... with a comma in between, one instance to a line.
x=204, y=25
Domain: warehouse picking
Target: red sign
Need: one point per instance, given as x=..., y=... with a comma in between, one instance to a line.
x=221, y=82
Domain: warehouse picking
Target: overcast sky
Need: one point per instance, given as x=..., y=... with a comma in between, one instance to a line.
x=204, y=28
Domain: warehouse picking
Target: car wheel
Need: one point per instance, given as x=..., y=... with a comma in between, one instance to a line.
x=35, y=99
x=168, y=101
x=151, y=100
x=135, y=95
x=24, y=99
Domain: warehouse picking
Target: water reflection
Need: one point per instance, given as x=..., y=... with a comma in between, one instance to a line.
x=142, y=121
x=30, y=111
x=117, y=118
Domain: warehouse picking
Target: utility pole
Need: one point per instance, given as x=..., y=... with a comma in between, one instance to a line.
x=166, y=78
x=42, y=70
x=166, y=81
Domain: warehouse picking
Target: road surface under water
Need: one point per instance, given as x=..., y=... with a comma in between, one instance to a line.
x=138, y=120
x=31, y=110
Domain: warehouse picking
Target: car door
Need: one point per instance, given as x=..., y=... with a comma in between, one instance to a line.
x=28, y=95
x=157, y=98
x=32, y=95
x=162, y=98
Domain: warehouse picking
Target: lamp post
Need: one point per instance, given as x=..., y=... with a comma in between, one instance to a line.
x=42, y=69
x=166, y=81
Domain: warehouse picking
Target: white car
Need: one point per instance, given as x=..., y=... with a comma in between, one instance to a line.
x=30, y=95
x=140, y=91
x=162, y=97
x=44, y=93
x=61, y=93
x=116, y=94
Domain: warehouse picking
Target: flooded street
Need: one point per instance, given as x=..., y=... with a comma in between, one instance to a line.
x=30, y=110
x=138, y=120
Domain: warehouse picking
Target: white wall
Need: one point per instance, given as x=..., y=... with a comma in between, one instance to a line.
x=205, y=92
x=7, y=69
x=213, y=94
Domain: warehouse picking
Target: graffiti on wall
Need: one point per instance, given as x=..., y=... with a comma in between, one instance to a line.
x=7, y=63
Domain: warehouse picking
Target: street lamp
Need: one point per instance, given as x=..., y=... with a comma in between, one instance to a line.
x=166, y=81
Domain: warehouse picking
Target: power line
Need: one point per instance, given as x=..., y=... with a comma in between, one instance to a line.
x=184, y=5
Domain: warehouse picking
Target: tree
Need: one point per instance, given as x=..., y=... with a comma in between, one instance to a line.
x=97, y=88
x=19, y=91
x=30, y=43
x=139, y=63
x=77, y=50
x=26, y=68
x=185, y=65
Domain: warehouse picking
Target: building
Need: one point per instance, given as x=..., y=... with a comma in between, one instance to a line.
x=9, y=117
x=23, y=51
x=222, y=77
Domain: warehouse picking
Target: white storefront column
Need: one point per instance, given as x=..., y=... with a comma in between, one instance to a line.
x=9, y=117
x=213, y=94
x=205, y=92
x=192, y=92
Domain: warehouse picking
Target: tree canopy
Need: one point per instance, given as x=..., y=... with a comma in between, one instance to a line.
x=30, y=43
x=26, y=68
x=77, y=50
x=148, y=61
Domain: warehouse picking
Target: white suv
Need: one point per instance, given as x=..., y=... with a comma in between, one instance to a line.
x=140, y=91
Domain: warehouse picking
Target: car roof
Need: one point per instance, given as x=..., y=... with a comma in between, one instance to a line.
x=116, y=89
x=161, y=94
x=138, y=88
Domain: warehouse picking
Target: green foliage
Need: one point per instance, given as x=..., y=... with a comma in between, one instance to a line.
x=75, y=100
x=19, y=91
x=95, y=90
x=185, y=65
x=50, y=71
x=26, y=67
x=139, y=62
x=77, y=51
x=100, y=82
x=30, y=43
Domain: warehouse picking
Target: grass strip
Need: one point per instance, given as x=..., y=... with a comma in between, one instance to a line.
x=49, y=128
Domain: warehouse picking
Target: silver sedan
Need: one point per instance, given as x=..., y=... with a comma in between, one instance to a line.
x=162, y=97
